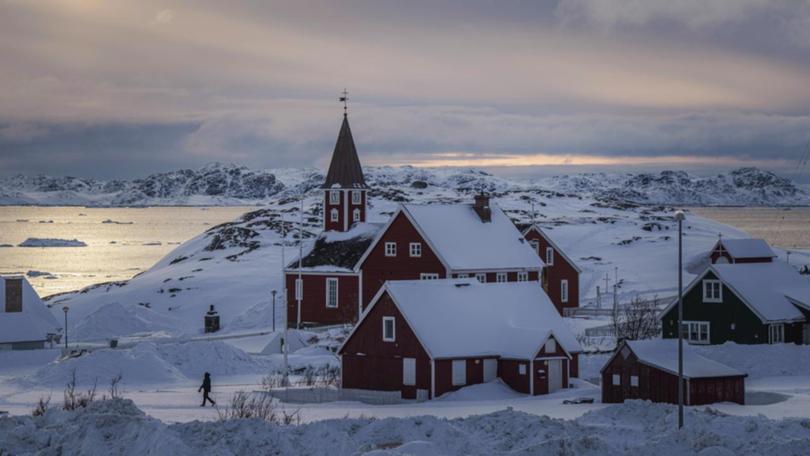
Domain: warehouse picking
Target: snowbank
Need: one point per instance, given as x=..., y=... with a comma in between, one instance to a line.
x=51, y=242
x=150, y=363
x=119, y=427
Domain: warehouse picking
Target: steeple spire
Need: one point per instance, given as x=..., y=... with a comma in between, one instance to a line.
x=345, y=170
x=345, y=100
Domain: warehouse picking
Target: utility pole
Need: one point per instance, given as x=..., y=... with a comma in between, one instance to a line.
x=285, y=377
x=299, y=286
x=274, y=309
x=66, y=309
x=680, y=216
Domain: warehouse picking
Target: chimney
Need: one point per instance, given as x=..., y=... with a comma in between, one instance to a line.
x=481, y=207
x=13, y=294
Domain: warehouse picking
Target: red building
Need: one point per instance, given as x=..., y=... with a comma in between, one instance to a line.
x=427, y=338
x=441, y=241
x=742, y=251
x=561, y=278
x=648, y=370
x=344, y=189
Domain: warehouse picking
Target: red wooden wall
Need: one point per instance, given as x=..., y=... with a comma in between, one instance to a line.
x=313, y=304
x=560, y=270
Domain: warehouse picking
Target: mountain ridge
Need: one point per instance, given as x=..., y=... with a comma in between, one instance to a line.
x=218, y=184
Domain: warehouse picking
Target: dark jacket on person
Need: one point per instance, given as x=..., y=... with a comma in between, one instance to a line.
x=206, y=384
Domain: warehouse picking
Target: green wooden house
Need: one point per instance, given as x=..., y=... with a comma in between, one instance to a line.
x=754, y=303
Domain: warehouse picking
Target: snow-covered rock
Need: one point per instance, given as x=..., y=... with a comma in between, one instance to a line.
x=220, y=184
x=51, y=242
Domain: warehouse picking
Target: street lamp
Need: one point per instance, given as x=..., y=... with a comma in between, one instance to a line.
x=65, y=309
x=680, y=216
x=274, y=309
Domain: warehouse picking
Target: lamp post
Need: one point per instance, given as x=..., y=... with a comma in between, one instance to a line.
x=274, y=309
x=680, y=216
x=65, y=309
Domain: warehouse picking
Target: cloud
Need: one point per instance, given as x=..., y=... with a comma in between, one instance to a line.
x=164, y=17
x=21, y=132
x=693, y=13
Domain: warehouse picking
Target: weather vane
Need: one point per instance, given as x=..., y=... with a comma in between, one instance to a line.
x=345, y=100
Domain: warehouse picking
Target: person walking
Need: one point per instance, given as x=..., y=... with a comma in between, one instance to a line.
x=206, y=389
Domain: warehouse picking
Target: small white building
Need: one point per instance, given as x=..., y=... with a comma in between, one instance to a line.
x=25, y=321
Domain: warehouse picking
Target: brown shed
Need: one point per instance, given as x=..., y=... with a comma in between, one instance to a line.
x=648, y=370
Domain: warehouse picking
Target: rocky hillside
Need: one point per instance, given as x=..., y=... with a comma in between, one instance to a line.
x=219, y=184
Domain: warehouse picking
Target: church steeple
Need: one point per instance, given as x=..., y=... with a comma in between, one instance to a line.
x=344, y=187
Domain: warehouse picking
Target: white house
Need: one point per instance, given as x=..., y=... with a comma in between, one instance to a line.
x=25, y=321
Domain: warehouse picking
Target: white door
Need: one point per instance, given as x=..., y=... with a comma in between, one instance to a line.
x=490, y=370
x=555, y=375
x=409, y=371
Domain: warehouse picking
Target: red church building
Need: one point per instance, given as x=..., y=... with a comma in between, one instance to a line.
x=422, y=339
x=561, y=278
x=351, y=260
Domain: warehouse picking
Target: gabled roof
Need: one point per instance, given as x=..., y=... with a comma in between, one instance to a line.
x=33, y=324
x=551, y=242
x=345, y=170
x=335, y=251
x=465, y=243
x=663, y=354
x=771, y=290
x=746, y=248
x=464, y=318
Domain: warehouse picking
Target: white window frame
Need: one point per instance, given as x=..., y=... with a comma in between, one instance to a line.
x=393, y=336
x=409, y=371
x=356, y=197
x=694, y=327
x=481, y=277
x=329, y=282
x=535, y=245
x=617, y=380
x=415, y=249
x=501, y=277
x=390, y=249
x=634, y=380
x=522, y=276
x=428, y=276
x=299, y=289
x=564, y=290
x=550, y=256
x=334, y=197
x=551, y=346
x=463, y=275
x=334, y=215
x=708, y=290
x=521, y=369
x=459, y=372
x=776, y=333
x=356, y=215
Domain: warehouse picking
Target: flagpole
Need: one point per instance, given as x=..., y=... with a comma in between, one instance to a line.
x=299, y=293
x=285, y=375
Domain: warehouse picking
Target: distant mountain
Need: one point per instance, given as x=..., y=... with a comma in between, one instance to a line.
x=229, y=185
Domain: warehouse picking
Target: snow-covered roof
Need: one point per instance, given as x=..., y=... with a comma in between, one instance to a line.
x=337, y=251
x=663, y=354
x=771, y=290
x=547, y=236
x=768, y=288
x=464, y=242
x=35, y=321
x=462, y=317
x=747, y=248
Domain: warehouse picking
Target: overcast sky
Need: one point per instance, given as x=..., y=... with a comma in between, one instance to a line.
x=103, y=88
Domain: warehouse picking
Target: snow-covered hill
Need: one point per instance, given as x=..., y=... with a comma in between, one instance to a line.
x=236, y=265
x=219, y=184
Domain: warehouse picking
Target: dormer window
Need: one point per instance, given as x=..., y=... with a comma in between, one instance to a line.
x=334, y=197
x=357, y=197
x=712, y=291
